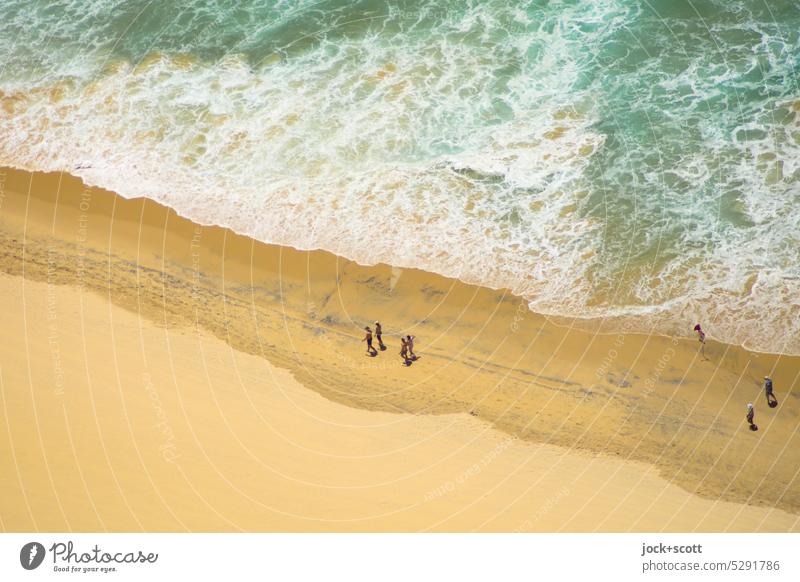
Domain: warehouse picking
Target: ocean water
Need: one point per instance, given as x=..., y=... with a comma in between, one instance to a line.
x=621, y=159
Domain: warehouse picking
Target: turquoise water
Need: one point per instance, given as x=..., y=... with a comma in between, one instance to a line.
x=610, y=158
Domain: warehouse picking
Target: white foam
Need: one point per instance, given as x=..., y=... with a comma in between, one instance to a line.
x=386, y=154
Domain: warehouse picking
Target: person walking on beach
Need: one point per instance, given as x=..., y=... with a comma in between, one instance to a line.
x=368, y=338
x=751, y=413
x=404, y=351
x=378, y=332
x=701, y=336
x=771, y=400
x=410, y=345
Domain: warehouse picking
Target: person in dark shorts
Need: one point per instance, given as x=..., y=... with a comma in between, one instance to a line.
x=378, y=332
x=771, y=400
x=368, y=338
x=410, y=345
x=403, y=348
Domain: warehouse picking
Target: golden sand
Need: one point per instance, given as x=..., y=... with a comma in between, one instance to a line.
x=158, y=375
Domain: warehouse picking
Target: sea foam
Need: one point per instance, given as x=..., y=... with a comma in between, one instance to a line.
x=550, y=151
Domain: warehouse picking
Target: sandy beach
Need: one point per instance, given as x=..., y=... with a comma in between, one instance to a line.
x=160, y=375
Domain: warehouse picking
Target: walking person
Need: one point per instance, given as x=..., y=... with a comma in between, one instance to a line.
x=751, y=413
x=378, y=332
x=404, y=351
x=701, y=336
x=410, y=345
x=771, y=400
x=368, y=338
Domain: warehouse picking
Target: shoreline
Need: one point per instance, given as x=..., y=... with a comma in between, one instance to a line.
x=620, y=321
x=644, y=399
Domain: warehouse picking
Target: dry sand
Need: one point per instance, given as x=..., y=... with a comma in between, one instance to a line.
x=157, y=375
